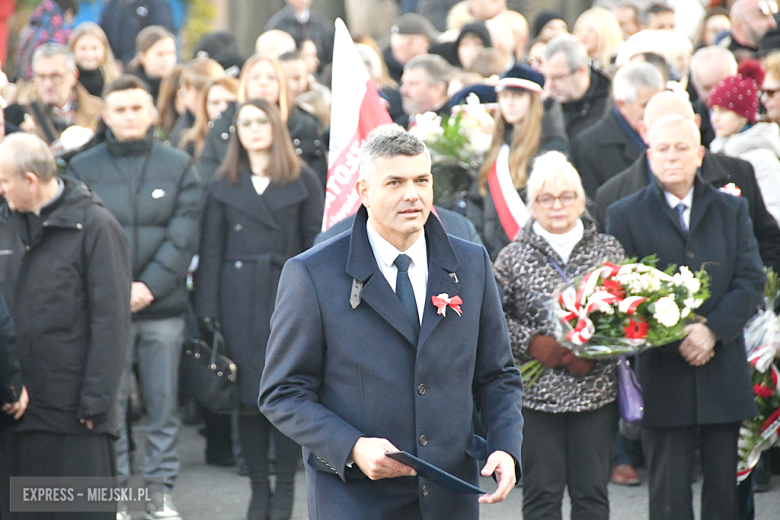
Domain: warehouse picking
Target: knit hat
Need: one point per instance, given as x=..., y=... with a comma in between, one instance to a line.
x=542, y=18
x=740, y=93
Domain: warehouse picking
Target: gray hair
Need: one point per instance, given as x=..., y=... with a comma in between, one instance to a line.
x=48, y=50
x=436, y=67
x=712, y=55
x=388, y=144
x=632, y=77
x=28, y=153
x=552, y=169
x=573, y=51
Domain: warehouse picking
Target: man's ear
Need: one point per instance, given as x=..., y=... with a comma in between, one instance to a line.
x=697, y=120
x=641, y=128
x=700, y=153
x=361, y=187
x=32, y=181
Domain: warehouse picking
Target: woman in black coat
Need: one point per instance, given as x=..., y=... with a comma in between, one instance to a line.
x=263, y=208
x=263, y=78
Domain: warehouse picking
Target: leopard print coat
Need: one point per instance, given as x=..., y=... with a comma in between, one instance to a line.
x=528, y=280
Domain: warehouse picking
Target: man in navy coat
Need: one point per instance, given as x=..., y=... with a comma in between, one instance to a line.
x=696, y=392
x=360, y=362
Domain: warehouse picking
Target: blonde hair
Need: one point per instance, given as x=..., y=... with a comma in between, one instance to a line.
x=197, y=134
x=526, y=137
x=608, y=29
x=198, y=72
x=108, y=68
x=552, y=169
x=771, y=64
x=285, y=101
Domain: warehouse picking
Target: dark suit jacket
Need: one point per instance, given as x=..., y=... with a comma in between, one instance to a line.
x=717, y=170
x=601, y=152
x=707, y=131
x=720, y=240
x=335, y=373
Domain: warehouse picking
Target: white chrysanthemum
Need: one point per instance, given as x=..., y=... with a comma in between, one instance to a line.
x=427, y=126
x=685, y=312
x=75, y=137
x=693, y=303
x=666, y=312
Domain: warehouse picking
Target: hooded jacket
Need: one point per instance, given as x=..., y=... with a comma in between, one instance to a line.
x=759, y=144
x=449, y=50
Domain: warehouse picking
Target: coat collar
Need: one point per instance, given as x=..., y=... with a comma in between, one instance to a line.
x=377, y=293
x=243, y=197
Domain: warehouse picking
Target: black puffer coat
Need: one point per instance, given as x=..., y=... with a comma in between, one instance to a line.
x=156, y=194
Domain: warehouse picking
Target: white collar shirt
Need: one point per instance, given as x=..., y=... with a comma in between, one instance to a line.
x=687, y=200
x=385, y=254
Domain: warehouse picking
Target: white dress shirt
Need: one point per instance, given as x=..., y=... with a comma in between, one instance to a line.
x=687, y=200
x=385, y=254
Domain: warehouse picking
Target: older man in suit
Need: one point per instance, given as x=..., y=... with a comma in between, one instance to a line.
x=361, y=363
x=696, y=392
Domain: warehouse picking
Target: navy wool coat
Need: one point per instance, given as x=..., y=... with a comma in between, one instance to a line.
x=335, y=373
x=721, y=241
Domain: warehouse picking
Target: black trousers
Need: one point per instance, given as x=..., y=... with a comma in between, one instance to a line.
x=571, y=450
x=254, y=434
x=43, y=454
x=670, y=455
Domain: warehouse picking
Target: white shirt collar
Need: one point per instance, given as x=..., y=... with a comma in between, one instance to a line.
x=386, y=253
x=674, y=201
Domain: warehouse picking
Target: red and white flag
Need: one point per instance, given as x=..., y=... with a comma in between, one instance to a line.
x=356, y=110
x=510, y=207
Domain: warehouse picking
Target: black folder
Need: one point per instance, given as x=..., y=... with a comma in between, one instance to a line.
x=436, y=475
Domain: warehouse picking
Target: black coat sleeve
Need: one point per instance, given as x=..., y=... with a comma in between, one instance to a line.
x=212, y=250
x=766, y=230
x=312, y=209
x=10, y=375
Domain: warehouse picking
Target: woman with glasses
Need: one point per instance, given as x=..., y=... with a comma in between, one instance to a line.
x=570, y=413
x=263, y=78
x=525, y=126
x=264, y=207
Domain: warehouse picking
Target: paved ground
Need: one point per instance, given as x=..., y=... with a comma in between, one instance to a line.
x=208, y=493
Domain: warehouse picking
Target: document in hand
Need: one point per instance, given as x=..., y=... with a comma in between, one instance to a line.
x=436, y=475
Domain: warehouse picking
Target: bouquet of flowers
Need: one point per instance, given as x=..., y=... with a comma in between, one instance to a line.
x=617, y=310
x=762, y=343
x=458, y=145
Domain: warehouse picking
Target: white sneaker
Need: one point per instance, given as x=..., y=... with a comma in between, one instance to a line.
x=162, y=508
x=122, y=513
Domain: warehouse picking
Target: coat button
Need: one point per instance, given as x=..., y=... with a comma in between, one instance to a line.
x=211, y=124
x=317, y=152
x=225, y=136
x=425, y=491
x=421, y=389
x=27, y=248
x=238, y=227
x=297, y=142
x=239, y=264
x=45, y=223
x=689, y=254
x=298, y=151
x=423, y=440
x=317, y=142
x=232, y=129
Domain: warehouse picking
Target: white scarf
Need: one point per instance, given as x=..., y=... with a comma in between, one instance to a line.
x=562, y=243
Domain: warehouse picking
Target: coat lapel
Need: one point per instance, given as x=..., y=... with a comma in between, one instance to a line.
x=243, y=197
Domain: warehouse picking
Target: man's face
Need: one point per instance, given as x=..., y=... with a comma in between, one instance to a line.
x=417, y=94
x=552, y=29
x=299, y=5
x=297, y=76
x=661, y=21
x=398, y=194
x=759, y=19
x=562, y=83
x=675, y=156
x=487, y=9
x=634, y=112
x=53, y=81
x=407, y=46
x=17, y=190
x=128, y=113
x=626, y=17
x=707, y=77
x=770, y=96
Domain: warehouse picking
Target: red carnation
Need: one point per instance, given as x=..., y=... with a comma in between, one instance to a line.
x=614, y=288
x=762, y=391
x=637, y=328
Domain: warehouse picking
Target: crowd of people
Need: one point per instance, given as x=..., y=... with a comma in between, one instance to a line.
x=150, y=198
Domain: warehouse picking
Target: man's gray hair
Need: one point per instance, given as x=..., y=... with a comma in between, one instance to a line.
x=388, y=144
x=632, y=77
x=436, y=67
x=573, y=50
x=54, y=49
x=713, y=55
x=28, y=153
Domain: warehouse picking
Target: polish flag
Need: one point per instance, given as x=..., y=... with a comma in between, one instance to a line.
x=356, y=109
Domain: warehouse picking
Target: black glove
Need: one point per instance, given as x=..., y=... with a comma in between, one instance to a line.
x=207, y=327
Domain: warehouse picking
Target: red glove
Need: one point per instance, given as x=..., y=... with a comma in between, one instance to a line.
x=547, y=350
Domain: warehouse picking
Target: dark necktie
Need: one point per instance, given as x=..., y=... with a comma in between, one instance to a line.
x=681, y=207
x=405, y=292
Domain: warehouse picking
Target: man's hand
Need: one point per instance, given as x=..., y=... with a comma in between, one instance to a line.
x=369, y=454
x=503, y=465
x=18, y=408
x=140, y=296
x=698, y=347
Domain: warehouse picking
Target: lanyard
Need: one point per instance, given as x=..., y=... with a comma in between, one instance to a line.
x=558, y=268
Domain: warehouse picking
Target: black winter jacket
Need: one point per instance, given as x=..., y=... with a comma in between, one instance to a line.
x=304, y=131
x=591, y=107
x=72, y=312
x=156, y=194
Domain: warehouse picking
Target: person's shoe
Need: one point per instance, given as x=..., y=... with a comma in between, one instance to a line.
x=625, y=475
x=162, y=508
x=261, y=498
x=282, y=499
x=122, y=513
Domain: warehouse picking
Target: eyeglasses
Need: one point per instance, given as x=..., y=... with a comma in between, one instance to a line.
x=768, y=92
x=547, y=201
x=246, y=123
x=559, y=77
x=56, y=79
x=768, y=7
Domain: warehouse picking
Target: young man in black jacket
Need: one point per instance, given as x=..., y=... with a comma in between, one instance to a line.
x=156, y=194
x=72, y=316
